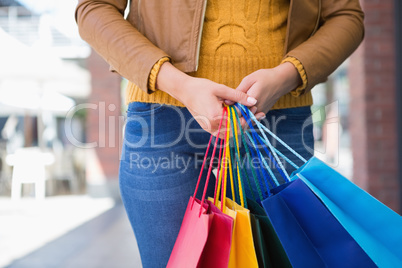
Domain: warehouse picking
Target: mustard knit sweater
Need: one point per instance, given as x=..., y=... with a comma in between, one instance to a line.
x=238, y=38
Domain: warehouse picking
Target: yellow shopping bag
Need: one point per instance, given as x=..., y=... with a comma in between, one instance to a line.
x=242, y=251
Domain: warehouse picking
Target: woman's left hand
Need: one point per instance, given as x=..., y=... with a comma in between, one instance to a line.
x=268, y=85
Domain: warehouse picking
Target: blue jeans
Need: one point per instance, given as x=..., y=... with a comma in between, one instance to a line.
x=161, y=159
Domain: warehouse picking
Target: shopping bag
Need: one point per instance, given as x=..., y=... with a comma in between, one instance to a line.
x=242, y=253
x=270, y=252
x=375, y=227
x=310, y=234
x=242, y=250
x=217, y=247
x=204, y=239
x=193, y=235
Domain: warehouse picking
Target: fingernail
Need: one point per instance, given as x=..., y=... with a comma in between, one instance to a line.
x=251, y=100
x=261, y=118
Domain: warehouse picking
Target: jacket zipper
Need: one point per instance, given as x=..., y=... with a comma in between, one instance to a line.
x=197, y=56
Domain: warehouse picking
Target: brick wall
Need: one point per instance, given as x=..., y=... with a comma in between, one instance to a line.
x=103, y=129
x=373, y=105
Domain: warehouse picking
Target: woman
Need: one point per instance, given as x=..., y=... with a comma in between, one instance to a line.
x=183, y=60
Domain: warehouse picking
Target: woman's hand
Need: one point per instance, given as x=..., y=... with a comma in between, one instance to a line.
x=268, y=85
x=202, y=97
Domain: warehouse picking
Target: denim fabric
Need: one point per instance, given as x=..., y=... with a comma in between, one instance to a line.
x=160, y=163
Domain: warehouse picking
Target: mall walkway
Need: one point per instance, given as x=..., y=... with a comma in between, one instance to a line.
x=105, y=241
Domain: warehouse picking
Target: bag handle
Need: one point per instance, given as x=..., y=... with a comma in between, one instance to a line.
x=202, y=168
x=223, y=167
x=262, y=174
x=227, y=165
x=264, y=166
x=281, y=142
x=260, y=125
x=246, y=114
x=211, y=162
x=253, y=171
x=221, y=170
x=280, y=154
x=243, y=201
x=233, y=180
x=256, y=173
x=210, y=166
x=278, y=161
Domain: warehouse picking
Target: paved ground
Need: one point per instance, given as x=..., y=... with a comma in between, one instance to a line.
x=105, y=240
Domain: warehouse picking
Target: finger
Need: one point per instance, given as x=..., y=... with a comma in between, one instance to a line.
x=236, y=96
x=260, y=116
x=243, y=123
x=247, y=122
x=245, y=84
x=253, y=109
x=219, y=125
x=229, y=102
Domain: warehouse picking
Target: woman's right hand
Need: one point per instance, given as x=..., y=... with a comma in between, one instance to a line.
x=202, y=97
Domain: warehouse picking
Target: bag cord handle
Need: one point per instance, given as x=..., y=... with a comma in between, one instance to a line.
x=275, y=160
x=243, y=201
x=260, y=125
x=210, y=166
x=253, y=171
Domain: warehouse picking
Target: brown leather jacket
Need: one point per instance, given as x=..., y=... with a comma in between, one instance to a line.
x=321, y=34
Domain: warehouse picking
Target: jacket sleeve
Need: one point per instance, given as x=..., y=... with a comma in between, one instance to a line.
x=102, y=25
x=340, y=32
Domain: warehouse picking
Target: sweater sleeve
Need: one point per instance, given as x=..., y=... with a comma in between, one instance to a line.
x=300, y=69
x=154, y=74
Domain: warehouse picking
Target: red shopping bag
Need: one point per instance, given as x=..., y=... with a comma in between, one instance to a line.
x=205, y=235
x=217, y=248
x=204, y=240
x=193, y=235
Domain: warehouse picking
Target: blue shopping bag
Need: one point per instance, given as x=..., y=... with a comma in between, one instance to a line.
x=309, y=233
x=311, y=236
x=375, y=227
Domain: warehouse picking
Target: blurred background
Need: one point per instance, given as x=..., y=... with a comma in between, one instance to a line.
x=62, y=109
